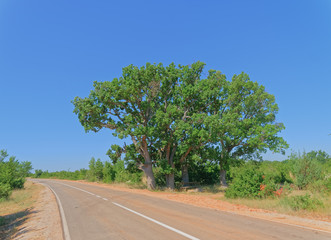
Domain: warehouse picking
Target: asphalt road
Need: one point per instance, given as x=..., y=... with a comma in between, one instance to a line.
x=93, y=212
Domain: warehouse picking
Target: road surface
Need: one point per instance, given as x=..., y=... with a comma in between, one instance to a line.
x=93, y=212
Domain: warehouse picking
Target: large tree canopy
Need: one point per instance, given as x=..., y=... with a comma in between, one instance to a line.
x=245, y=122
x=170, y=112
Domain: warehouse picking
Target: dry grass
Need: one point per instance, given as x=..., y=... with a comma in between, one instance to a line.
x=277, y=205
x=272, y=204
x=15, y=210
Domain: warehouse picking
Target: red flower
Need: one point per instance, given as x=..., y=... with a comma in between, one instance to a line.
x=278, y=192
x=262, y=187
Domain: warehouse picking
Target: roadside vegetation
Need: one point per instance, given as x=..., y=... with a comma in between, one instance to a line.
x=301, y=183
x=16, y=196
x=16, y=209
x=190, y=128
x=12, y=174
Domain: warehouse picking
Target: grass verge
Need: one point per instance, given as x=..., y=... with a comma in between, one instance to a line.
x=298, y=203
x=316, y=206
x=16, y=210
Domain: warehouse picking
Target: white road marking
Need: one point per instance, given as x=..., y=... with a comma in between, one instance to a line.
x=77, y=189
x=63, y=217
x=275, y=221
x=139, y=214
x=157, y=222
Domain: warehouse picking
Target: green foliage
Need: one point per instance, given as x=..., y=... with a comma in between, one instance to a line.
x=108, y=172
x=81, y=174
x=38, y=173
x=5, y=190
x=302, y=202
x=171, y=112
x=91, y=175
x=306, y=169
x=257, y=179
x=246, y=182
x=122, y=175
x=279, y=172
x=12, y=174
x=160, y=177
x=320, y=156
x=114, y=153
x=99, y=170
x=247, y=125
x=205, y=173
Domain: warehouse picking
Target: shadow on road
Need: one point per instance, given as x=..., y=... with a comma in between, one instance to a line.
x=9, y=224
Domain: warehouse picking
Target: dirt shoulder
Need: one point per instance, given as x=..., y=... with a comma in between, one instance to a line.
x=30, y=213
x=44, y=222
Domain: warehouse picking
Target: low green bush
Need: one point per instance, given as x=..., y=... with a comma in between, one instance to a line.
x=246, y=183
x=302, y=202
x=18, y=183
x=320, y=186
x=5, y=190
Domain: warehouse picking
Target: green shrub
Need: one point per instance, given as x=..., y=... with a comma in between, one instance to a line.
x=279, y=172
x=108, y=173
x=253, y=181
x=328, y=184
x=18, y=183
x=5, y=190
x=123, y=175
x=246, y=182
x=320, y=186
x=12, y=174
x=307, y=169
x=302, y=202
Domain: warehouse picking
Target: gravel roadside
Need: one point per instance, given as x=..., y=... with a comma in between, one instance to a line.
x=45, y=222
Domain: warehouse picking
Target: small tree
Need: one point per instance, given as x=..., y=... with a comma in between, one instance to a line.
x=306, y=170
x=99, y=170
x=92, y=171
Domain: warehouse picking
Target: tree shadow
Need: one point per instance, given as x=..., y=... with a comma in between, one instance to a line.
x=10, y=223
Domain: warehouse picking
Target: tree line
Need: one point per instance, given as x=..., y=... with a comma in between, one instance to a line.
x=175, y=116
x=247, y=179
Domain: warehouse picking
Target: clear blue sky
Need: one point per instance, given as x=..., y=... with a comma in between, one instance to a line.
x=52, y=51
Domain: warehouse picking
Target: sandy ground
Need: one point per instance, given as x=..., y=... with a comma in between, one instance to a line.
x=45, y=222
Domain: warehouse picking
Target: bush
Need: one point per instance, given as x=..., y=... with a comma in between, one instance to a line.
x=302, y=202
x=320, y=186
x=253, y=181
x=307, y=168
x=5, y=190
x=12, y=174
x=108, y=173
x=247, y=181
x=18, y=183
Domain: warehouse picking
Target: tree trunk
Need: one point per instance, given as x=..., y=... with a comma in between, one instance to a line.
x=223, y=178
x=149, y=176
x=170, y=178
x=185, y=176
x=222, y=172
x=147, y=167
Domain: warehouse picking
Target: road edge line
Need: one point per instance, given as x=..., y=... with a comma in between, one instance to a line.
x=224, y=211
x=65, y=229
x=157, y=222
